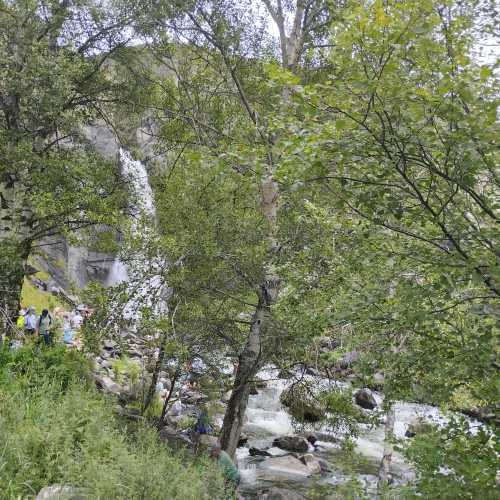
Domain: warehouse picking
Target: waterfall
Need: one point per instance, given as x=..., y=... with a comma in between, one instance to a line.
x=144, y=270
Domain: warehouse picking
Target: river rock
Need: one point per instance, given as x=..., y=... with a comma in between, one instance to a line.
x=206, y=441
x=175, y=440
x=365, y=399
x=105, y=354
x=311, y=462
x=378, y=379
x=193, y=397
x=109, y=345
x=105, y=383
x=165, y=381
x=59, y=492
x=255, y=452
x=416, y=427
x=134, y=353
x=311, y=438
x=176, y=409
x=282, y=469
x=309, y=370
x=292, y=443
x=107, y=364
x=328, y=345
x=348, y=359
x=279, y=494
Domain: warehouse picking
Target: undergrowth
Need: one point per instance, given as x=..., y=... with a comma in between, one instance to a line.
x=55, y=428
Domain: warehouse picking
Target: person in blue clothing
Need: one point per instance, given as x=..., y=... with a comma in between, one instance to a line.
x=67, y=330
x=203, y=425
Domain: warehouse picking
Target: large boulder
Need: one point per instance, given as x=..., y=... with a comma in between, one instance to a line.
x=365, y=399
x=105, y=384
x=279, y=494
x=311, y=462
x=59, y=492
x=300, y=401
x=285, y=468
x=292, y=443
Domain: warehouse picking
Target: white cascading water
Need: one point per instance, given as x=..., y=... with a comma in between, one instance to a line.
x=267, y=419
x=142, y=271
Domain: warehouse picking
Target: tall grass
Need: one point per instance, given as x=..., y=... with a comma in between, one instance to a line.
x=56, y=429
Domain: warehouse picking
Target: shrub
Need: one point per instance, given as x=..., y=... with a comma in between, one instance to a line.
x=456, y=461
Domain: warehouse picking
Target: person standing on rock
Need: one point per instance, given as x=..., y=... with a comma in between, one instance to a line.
x=43, y=326
x=229, y=470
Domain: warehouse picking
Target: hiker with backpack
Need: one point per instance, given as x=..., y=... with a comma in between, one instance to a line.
x=43, y=326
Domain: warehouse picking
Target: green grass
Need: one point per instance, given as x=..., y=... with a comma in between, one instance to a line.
x=32, y=296
x=55, y=428
x=124, y=367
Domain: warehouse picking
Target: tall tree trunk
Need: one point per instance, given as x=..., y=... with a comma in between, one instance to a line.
x=384, y=473
x=154, y=378
x=249, y=364
x=15, y=245
x=251, y=357
x=173, y=381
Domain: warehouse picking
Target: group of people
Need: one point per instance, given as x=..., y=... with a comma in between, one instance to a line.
x=45, y=325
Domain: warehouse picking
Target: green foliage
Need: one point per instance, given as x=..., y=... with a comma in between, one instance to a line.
x=56, y=429
x=55, y=82
x=124, y=367
x=455, y=462
x=399, y=239
x=351, y=489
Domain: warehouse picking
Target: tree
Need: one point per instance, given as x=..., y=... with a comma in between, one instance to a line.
x=403, y=137
x=245, y=135
x=56, y=77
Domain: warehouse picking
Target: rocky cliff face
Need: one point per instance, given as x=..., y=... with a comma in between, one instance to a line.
x=75, y=266
x=70, y=266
